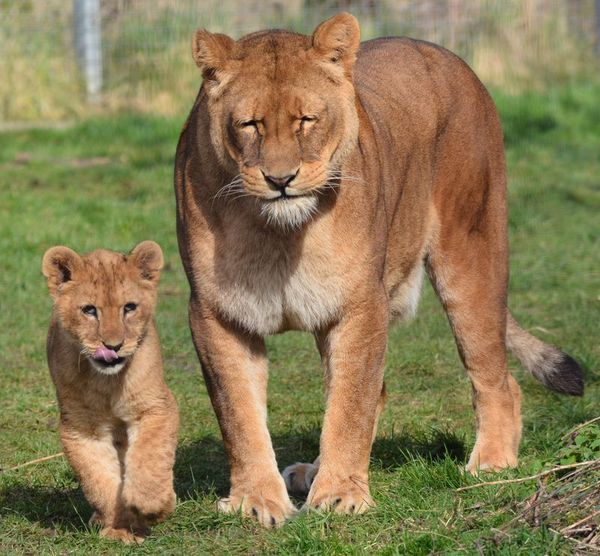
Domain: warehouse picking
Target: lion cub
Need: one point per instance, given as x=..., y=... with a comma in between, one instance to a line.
x=118, y=418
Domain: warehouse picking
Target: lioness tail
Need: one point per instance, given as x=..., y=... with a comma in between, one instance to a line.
x=554, y=368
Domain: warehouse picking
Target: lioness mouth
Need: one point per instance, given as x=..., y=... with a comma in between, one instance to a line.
x=289, y=210
x=285, y=197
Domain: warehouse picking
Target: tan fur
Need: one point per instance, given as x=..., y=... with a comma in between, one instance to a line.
x=118, y=424
x=315, y=181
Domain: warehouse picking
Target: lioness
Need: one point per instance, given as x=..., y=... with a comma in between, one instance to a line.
x=316, y=179
x=118, y=418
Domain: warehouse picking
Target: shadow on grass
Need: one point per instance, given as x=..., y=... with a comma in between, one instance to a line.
x=391, y=451
x=51, y=508
x=201, y=467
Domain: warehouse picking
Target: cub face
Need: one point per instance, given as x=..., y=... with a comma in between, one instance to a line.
x=282, y=112
x=104, y=300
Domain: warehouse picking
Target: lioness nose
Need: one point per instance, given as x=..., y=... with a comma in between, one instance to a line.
x=279, y=183
x=113, y=345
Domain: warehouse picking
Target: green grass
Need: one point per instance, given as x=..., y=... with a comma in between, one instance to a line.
x=50, y=196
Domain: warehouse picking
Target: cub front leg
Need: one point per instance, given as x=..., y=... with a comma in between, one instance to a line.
x=355, y=352
x=235, y=370
x=96, y=463
x=148, y=495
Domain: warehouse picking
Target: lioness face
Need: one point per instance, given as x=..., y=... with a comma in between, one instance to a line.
x=283, y=114
x=104, y=300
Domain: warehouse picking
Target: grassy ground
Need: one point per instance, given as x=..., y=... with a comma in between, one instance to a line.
x=107, y=182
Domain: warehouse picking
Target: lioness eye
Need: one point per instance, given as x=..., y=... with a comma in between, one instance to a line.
x=89, y=310
x=308, y=118
x=248, y=124
x=129, y=307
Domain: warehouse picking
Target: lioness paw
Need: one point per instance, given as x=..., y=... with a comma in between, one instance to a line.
x=268, y=511
x=344, y=497
x=299, y=478
x=491, y=456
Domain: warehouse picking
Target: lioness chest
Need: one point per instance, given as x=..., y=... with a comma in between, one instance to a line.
x=267, y=287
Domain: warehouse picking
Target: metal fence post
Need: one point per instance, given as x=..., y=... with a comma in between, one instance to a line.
x=598, y=27
x=88, y=45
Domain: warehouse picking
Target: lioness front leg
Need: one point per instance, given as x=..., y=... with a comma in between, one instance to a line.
x=299, y=477
x=355, y=351
x=235, y=370
x=148, y=496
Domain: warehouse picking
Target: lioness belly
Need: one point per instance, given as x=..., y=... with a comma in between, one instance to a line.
x=404, y=299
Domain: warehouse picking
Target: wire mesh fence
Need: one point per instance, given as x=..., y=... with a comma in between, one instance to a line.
x=142, y=55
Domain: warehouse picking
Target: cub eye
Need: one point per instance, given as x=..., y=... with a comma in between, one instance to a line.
x=129, y=307
x=308, y=119
x=89, y=310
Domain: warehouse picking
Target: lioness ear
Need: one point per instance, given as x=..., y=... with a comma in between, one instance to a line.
x=147, y=257
x=337, y=41
x=211, y=51
x=58, y=265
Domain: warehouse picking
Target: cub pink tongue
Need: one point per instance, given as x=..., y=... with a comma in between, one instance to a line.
x=107, y=354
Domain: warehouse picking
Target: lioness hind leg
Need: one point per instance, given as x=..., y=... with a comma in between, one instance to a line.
x=299, y=477
x=471, y=284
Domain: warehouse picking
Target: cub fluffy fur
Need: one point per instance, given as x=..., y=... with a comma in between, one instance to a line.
x=118, y=418
x=317, y=179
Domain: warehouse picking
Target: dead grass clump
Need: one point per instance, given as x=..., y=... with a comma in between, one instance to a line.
x=570, y=506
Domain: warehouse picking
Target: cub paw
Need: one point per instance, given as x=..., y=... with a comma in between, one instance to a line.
x=149, y=509
x=299, y=478
x=96, y=518
x=126, y=536
x=268, y=510
x=350, y=496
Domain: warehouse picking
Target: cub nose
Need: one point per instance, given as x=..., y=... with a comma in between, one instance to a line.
x=279, y=183
x=113, y=345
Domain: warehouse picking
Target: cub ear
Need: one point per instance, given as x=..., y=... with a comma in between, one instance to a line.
x=58, y=265
x=337, y=40
x=147, y=258
x=211, y=52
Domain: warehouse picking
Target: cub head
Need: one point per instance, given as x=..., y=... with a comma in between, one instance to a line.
x=282, y=112
x=104, y=300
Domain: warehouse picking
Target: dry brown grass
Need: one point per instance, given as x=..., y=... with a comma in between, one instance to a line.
x=511, y=44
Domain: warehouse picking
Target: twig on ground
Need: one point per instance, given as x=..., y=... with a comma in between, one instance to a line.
x=575, y=525
x=579, y=427
x=531, y=477
x=33, y=462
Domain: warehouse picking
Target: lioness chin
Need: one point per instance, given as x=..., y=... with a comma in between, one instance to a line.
x=118, y=418
x=317, y=180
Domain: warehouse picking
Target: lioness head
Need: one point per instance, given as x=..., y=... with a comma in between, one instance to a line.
x=104, y=300
x=282, y=112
